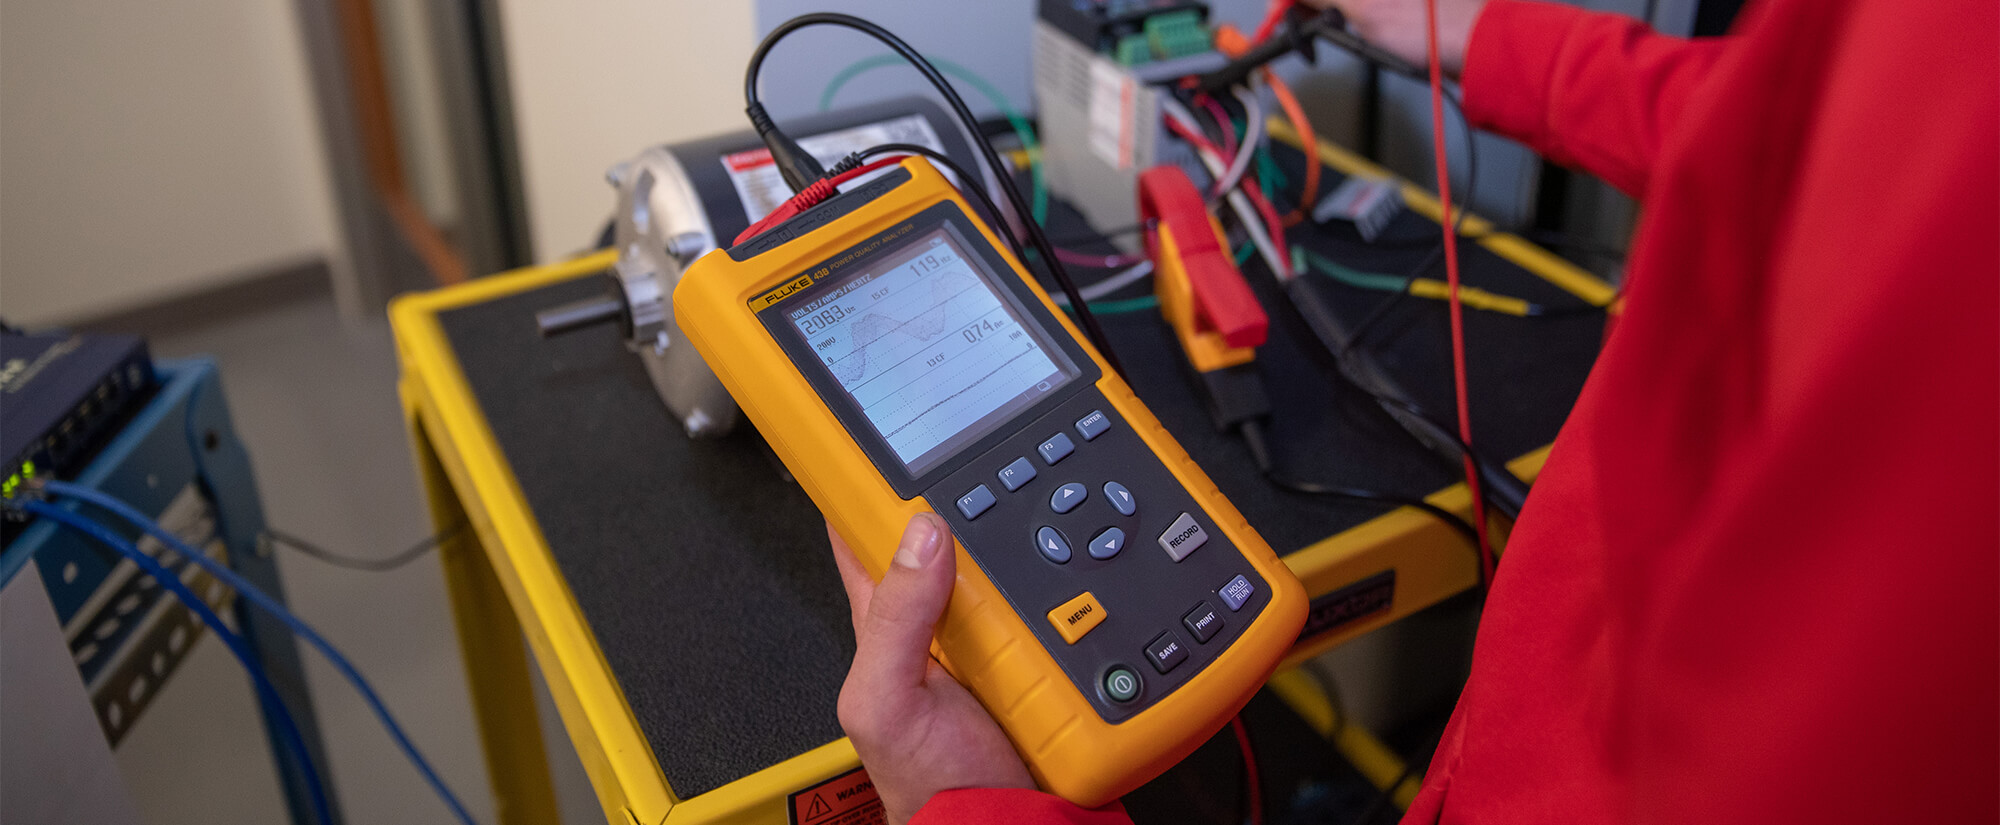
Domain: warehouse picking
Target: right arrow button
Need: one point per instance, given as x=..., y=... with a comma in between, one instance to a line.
x=1121, y=498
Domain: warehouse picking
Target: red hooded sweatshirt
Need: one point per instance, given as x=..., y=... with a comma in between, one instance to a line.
x=1758, y=580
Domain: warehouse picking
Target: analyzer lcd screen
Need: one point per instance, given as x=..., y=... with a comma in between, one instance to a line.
x=929, y=347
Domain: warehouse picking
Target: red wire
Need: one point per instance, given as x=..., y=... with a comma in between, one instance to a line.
x=1272, y=18
x=1097, y=260
x=810, y=196
x=867, y=167
x=1275, y=224
x=1199, y=140
x=1253, y=787
x=1272, y=224
x=1192, y=136
x=1222, y=124
x=1451, y=281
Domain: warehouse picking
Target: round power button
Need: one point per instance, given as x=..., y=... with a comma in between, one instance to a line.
x=1121, y=684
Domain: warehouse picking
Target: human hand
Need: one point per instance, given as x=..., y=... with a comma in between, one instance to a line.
x=917, y=730
x=1398, y=26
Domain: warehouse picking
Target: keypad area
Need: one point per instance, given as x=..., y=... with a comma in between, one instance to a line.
x=1122, y=576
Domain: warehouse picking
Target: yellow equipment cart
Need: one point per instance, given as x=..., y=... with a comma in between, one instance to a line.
x=678, y=596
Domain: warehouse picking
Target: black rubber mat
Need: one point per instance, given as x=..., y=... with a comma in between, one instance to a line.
x=706, y=578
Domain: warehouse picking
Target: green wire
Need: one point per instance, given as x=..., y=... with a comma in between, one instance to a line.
x=1269, y=175
x=1356, y=278
x=1244, y=252
x=1124, y=305
x=1026, y=131
x=1264, y=180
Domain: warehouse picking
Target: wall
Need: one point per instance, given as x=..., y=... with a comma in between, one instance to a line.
x=152, y=149
x=990, y=39
x=595, y=82
x=415, y=90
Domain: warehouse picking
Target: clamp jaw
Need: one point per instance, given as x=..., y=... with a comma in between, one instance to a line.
x=1203, y=296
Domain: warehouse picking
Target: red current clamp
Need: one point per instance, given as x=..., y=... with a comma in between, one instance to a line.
x=1202, y=294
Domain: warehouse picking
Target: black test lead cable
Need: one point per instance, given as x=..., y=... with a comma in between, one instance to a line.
x=1362, y=374
x=1252, y=432
x=941, y=159
x=800, y=169
x=1508, y=492
x=372, y=565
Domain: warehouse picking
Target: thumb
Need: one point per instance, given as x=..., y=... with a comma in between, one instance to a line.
x=892, y=648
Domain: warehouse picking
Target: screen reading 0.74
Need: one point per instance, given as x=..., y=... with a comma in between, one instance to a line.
x=927, y=348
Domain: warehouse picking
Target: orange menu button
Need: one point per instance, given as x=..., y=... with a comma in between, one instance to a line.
x=1077, y=616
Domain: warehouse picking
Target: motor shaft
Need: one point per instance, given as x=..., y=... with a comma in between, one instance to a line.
x=577, y=315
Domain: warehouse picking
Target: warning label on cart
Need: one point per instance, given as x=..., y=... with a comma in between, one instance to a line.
x=847, y=799
x=762, y=189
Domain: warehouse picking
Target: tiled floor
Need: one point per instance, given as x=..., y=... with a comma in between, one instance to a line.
x=314, y=399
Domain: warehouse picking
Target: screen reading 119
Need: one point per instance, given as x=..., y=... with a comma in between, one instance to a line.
x=926, y=347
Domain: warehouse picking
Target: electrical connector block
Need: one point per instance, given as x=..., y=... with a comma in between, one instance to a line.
x=1133, y=50
x=1368, y=204
x=1177, y=34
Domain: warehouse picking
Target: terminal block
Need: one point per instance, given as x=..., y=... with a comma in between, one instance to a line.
x=1177, y=34
x=1103, y=26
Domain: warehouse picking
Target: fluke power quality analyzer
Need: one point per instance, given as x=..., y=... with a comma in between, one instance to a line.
x=1112, y=609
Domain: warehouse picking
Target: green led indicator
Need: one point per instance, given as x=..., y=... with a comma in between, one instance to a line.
x=13, y=481
x=28, y=469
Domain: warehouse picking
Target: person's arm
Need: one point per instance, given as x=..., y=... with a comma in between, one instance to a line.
x=1585, y=89
x=1012, y=806
x=933, y=753
x=1591, y=90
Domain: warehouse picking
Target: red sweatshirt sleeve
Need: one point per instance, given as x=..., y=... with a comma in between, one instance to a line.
x=1588, y=90
x=1012, y=806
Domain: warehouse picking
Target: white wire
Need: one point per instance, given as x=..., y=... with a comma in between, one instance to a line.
x=1246, y=214
x=1131, y=275
x=1253, y=135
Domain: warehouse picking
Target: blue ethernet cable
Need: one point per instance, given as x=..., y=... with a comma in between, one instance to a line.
x=288, y=728
x=257, y=597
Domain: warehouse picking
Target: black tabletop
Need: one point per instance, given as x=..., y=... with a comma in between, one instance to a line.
x=705, y=576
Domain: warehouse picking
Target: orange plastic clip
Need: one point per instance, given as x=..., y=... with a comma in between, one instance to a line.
x=1202, y=294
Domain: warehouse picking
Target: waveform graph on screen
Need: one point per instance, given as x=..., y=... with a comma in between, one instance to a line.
x=883, y=339
x=924, y=346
